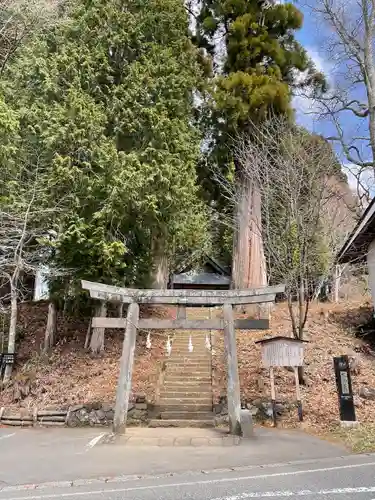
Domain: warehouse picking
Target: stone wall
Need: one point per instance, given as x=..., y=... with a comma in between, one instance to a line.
x=89, y=414
x=95, y=414
x=261, y=409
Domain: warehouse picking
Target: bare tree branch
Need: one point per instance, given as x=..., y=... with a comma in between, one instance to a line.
x=348, y=32
x=20, y=19
x=307, y=210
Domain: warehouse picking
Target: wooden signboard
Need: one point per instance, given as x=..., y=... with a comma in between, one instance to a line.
x=282, y=351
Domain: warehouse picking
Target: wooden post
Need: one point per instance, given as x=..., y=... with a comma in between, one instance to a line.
x=234, y=396
x=49, y=335
x=298, y=394
x=97, y=337
x=126, y=369
x=336, y=284
x=273, y=396
x=87, y=339
x=181, y=312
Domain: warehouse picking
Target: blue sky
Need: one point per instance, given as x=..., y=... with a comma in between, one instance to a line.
x=311, y=37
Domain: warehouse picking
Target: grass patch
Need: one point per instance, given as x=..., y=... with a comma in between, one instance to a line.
x=359, y=440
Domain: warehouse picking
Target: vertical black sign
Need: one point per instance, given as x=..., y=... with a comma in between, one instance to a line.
x=344, y=388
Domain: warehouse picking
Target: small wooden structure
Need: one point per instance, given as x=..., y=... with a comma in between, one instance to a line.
x=182, y=299
x=210, y=276
x=283, y=351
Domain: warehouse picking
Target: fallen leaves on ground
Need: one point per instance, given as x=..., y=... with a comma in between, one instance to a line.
x=71, y=375
x=330, y=333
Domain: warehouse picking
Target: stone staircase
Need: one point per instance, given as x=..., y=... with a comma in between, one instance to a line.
x=186, y=395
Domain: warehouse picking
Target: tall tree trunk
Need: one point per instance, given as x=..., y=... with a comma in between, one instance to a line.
x=249, y=267
x=257, y=261
x=12, y=329
x=241, y=240
x=49, y=336
x=160, y=268
x=97, y=337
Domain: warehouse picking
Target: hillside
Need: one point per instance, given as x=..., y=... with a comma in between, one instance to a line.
x=71, y=375
x=330, y=332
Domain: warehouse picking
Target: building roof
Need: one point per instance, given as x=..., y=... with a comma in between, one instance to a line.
x=280, y=338
x=200, y=278
x=211, y=274
x=356, y=246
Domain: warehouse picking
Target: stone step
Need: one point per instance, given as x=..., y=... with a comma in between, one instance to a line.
x=185, y=401
x=183, y=394
x=186, y=372
x=182, y=423
x=190, y=374
x=190, y=379
x=203, y=379
x=188, y=369
x=187, y=385
x=185, y=351
x=199, y=341
x=186, y=415
x=189, y=359
x=197, y=347
x=189, y=363
x=182, y=353
x=194, y=338
x=193, y=334
x=189, y=394
x=197, y=367
x=192, y=395
x=191, y=408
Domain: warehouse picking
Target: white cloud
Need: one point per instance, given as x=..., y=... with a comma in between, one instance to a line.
x=361, y=180
x=305, y=106
x=320, y=62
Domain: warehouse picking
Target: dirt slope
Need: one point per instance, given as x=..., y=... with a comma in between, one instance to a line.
x=331, y=332
x=70, y=375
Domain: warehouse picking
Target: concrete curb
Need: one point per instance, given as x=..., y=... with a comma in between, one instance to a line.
x=135, y=477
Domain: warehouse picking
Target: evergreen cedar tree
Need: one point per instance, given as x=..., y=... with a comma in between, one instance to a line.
x=254, y=78
x=105, y=107
x=103, y=104
x=262, y=66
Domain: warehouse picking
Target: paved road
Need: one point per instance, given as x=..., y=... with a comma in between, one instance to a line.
x=346, y=478
x=42, y=464
x=41, y=455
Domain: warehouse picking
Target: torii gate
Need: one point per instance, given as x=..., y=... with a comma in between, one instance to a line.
x=183, y=299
